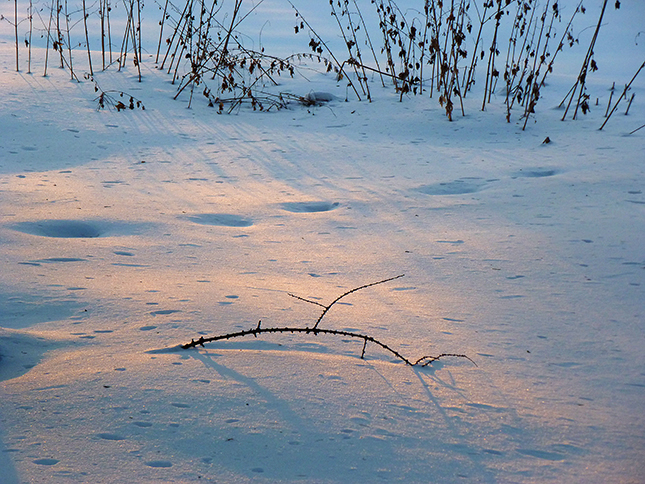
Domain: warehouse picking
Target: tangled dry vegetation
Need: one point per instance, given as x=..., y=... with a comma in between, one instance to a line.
x=439, y=47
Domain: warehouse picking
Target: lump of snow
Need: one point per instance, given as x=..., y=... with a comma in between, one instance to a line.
x=317, y=97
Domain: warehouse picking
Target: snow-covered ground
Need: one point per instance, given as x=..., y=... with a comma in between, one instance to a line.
x=123, y=235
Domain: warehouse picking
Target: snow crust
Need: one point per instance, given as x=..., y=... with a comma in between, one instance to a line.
x=124, y=235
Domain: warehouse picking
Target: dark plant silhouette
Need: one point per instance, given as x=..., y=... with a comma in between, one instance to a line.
x=315, y=330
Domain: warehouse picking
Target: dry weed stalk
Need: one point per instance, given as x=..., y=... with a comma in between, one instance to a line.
x=589, y=63
x=315, y=330
x=627, y=87
x=204, y=51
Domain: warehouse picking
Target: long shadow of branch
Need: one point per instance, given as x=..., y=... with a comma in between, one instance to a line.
x=280, y=406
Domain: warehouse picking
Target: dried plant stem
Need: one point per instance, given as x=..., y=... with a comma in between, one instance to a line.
x=322, y=42
x=69, y=44
x=58, y=43
x=227, y=38
x=640, y=127
x=533, y=84
x=171, y=40
x=139, y=9
x=109, y=30
x=566, y=32
x=102, y=10
x=87, y=39
x=328, y=307
x=31, y=28
x=629, y=104
x=51, y=15
x=422, y=362
x=387, y=47
x=582, y=77
x=369, y=42
x=162, y=23
x=611, y=95
x=15, y=26
x=624, y=93
x=470, y=80
x=490, y=70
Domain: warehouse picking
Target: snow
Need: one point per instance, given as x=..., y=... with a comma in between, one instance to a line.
x=124, y=235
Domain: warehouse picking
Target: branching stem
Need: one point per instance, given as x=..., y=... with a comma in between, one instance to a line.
x=423, y=361
x=328, y=307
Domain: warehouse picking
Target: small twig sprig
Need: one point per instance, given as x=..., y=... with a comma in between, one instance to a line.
x=328, y=307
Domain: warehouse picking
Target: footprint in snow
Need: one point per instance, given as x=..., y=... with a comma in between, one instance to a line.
x=220, y=219
x=54, y=260
x=109, y=436
x=164, y=312
x=60, y=228
x=180, y=405
x=535, y=173
x=46, y=462
x=159, y=463
x=76, y=229
x=309, y=207
x=456, y=187
x=143, y=424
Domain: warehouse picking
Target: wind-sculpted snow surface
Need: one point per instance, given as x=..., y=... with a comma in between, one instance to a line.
x=126, y=234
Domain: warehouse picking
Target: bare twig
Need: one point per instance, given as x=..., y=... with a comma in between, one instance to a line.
x=423, y=361
x=582, y=77
x=328, y=307
x=627, y=86
x=640, y=127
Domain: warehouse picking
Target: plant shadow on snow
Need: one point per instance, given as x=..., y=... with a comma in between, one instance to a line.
x=9, y=474
x=536, y=172
x=20, y=352
x=304, y=445
x=22, y=310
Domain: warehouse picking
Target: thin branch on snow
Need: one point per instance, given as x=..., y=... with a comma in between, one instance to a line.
x=422, y=362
